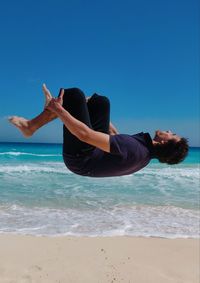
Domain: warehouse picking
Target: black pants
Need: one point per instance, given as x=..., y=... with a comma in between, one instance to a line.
x=95, y=114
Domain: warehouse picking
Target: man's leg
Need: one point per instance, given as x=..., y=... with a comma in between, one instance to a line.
x=99, y=110
x=74, y=102
x=98, y=117
x=28, y=127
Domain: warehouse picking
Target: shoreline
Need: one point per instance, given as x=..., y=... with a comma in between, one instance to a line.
x=64, y=259
x=96, y=236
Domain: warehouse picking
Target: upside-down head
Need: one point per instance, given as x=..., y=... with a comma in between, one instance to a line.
x=169, y=148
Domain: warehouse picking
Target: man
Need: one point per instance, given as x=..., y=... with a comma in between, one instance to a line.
x=91, y=144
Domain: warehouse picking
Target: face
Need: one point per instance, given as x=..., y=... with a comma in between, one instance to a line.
x=164, y=136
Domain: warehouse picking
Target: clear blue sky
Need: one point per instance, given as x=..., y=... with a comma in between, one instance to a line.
x=142, y=54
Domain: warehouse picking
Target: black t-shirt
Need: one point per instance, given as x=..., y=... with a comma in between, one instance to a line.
x=128, y=154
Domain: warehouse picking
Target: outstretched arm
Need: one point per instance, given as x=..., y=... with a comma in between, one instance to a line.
x=77, y=128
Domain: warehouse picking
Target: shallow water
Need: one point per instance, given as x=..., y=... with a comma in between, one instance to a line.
x=40, y=196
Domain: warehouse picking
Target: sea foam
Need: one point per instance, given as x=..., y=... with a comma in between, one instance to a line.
x=147, y=221
x=15, y=153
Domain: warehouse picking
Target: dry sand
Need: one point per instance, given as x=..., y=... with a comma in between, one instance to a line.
x=27, y=259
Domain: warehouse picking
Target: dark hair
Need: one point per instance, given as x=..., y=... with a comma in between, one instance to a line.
x=171, y=152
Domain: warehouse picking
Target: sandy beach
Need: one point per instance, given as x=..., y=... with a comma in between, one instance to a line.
x=28, y=259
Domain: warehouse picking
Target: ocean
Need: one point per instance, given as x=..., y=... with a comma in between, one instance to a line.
x=40, y=196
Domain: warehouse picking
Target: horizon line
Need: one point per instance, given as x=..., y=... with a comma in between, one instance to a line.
x=59, y=143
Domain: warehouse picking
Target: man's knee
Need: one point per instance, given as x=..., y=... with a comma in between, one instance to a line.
x=105, y=100
x=74, y=94
x=101, y=100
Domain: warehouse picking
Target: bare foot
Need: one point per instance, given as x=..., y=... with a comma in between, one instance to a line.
x=47, y=95
x=22, y=124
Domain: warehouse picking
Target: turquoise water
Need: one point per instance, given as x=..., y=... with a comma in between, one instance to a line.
x=40, y=196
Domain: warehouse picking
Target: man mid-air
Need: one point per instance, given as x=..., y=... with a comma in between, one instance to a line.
x=91, y=144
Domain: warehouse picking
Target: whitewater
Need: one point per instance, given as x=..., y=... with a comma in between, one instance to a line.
x=40, y=196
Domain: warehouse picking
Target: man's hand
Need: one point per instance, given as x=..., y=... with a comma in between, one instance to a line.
x=56, y=103
x=112, y=130
x=52, y=104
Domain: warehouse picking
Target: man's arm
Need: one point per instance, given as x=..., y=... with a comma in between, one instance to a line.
x=77, y=128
